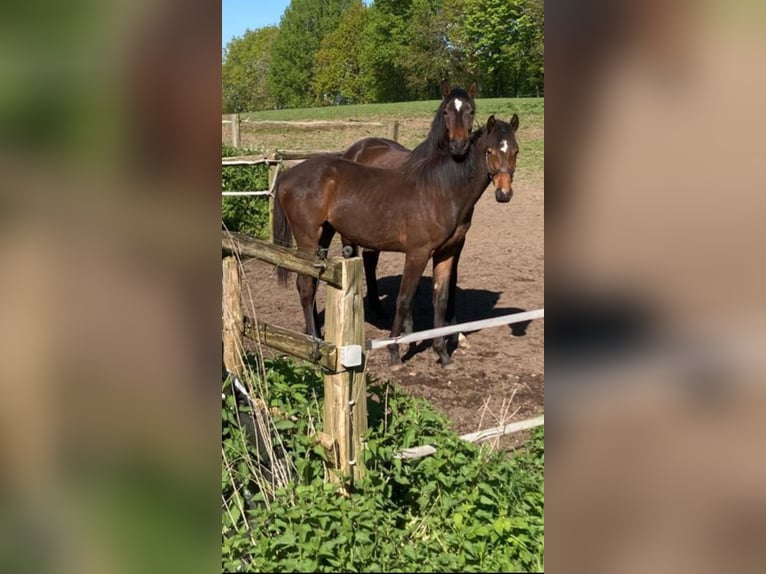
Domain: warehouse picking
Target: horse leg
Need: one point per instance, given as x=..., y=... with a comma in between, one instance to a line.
x=450, y=316
x=459, y=244
x=450, y=310
x=443, y=271
x=414, y=265
x=373, y=300
x=307, y=286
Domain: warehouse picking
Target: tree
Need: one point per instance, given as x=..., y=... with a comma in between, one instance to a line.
x=301, y=29
x=383, y=48
x=407, y=48
x=245, y=69
x=338, y=69
x=425, y=57
x=503, y=44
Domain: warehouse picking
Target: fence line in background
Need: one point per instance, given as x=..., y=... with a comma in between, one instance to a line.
x=459, y=328
x=266, y=192
x=236, y=122
x=426, y=450
x=249, y=160
x=312, y=123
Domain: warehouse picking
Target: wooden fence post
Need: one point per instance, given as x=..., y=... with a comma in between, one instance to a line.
x=345, y=392
x=395, y=131
x=233, y=317
x=235, y=141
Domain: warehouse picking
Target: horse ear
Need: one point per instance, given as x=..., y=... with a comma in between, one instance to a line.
x=446, y=88
x=490, y=123
x=473, y=90
x=515, y=122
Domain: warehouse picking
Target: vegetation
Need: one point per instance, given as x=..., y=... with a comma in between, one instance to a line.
x=340, y=75
x=343, y=51
x=244, y=70
x=303, y=25
x=463, y=509
x=248, y=214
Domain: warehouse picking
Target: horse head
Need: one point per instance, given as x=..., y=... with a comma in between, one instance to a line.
x=500, y=152
x=457, y=110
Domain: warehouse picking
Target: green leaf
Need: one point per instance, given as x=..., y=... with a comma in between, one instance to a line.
x=287, y=539
x=457, y=519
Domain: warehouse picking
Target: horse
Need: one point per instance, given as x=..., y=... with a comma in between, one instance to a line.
x=388, y=154
x=415, y=210
x=457, y=107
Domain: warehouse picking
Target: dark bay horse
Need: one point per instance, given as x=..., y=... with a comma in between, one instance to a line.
x=415, y=210
x=453, y=119
x=388, y=154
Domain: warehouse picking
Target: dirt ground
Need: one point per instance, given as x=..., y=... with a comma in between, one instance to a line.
x=500, y=377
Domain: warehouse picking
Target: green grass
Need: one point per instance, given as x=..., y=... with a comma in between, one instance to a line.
x=532, y=108
x=414, y=119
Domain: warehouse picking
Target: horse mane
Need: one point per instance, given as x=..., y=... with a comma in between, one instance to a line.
x=441, y=170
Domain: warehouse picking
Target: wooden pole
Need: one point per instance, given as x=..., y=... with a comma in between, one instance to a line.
x=345, y=391
x=232, y=317
x=235, y=141
x=395, y=131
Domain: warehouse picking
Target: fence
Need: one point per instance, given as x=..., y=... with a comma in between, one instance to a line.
x=275, y=162
x=341, y=355
x=236, y=123
x=343, y=352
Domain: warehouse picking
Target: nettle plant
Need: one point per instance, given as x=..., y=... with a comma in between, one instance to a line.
x=463, y=508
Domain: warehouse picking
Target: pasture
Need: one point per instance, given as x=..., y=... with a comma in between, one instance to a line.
x=414, y=119
x=498, y=373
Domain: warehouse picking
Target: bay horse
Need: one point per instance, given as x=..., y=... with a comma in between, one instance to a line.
x=415, y=210
x=450, y=127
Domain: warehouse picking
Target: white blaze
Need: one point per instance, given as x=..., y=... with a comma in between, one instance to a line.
x=458, y=104
x=503, y=146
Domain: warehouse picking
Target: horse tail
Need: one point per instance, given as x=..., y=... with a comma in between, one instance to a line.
x=281, y=232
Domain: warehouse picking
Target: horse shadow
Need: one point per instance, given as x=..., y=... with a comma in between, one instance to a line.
x=470, y=305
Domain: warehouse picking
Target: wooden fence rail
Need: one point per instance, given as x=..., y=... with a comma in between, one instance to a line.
x=342, y=354
x=296, y=344
x=330, y=270
x=236, y=123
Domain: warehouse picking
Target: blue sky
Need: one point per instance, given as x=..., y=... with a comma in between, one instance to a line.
x=239, y=15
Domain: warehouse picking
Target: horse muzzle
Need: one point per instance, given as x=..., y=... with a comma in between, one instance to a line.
x=503, y=196
x=458, y=148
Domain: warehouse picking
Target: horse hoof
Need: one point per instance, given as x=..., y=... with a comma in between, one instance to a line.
x=462, y=341
x=450, y=366
x=397, y=366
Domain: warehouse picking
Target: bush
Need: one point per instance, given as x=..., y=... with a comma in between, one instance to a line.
x=248, y=214
x=461, y=509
